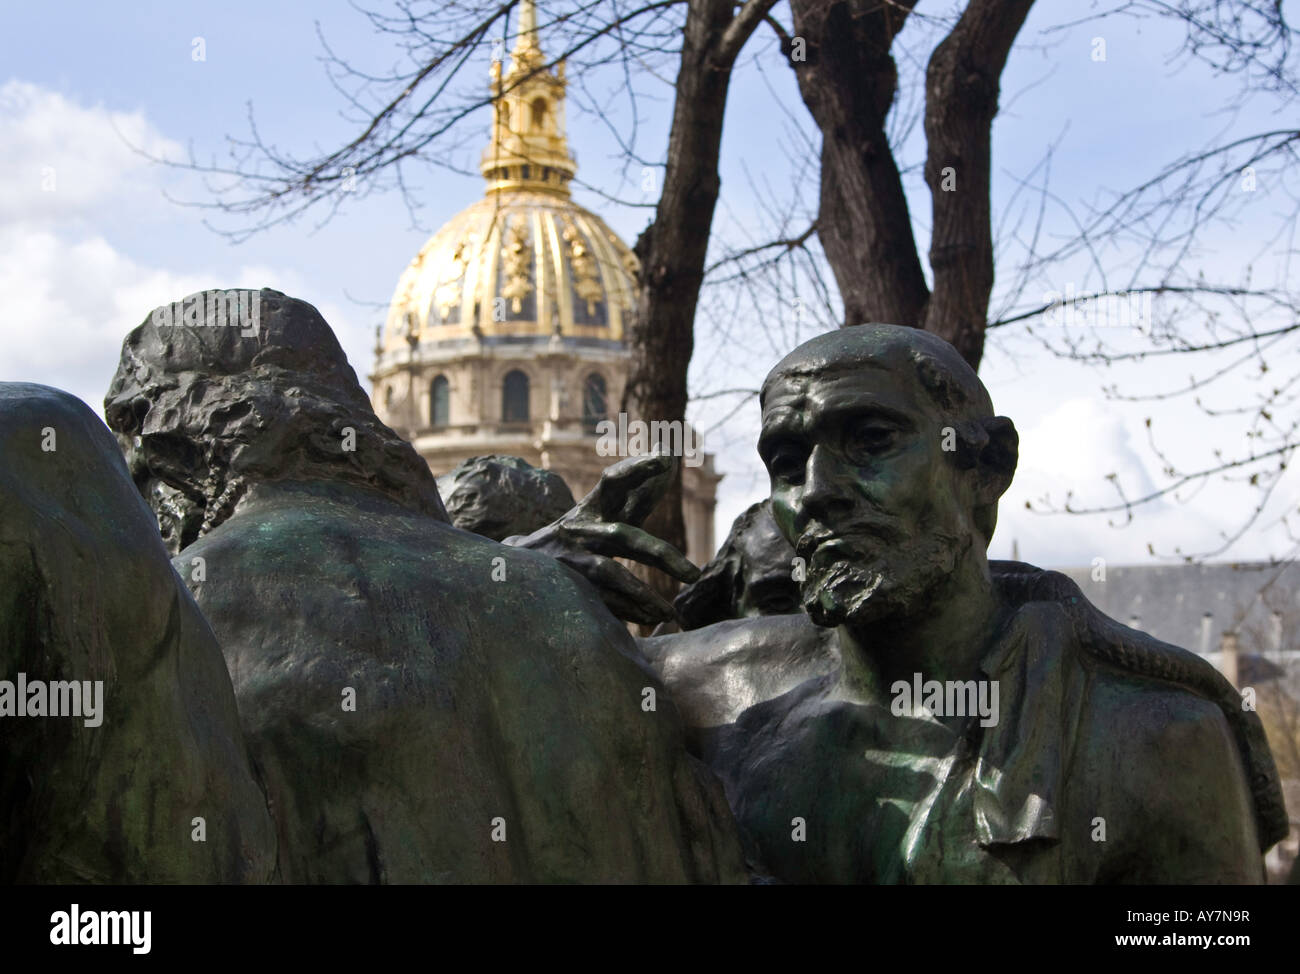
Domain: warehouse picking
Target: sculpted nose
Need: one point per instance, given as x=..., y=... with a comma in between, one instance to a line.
x=823, y=491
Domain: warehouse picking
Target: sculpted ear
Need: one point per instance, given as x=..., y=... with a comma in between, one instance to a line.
x=998, y=458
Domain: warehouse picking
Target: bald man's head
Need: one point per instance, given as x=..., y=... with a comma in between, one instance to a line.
x=886, y=464
x=950, y=382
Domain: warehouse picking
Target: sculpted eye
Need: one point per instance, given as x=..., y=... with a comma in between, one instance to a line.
x=870, y=438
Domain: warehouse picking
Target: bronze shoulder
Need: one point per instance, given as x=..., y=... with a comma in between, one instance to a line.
x=1105, y=641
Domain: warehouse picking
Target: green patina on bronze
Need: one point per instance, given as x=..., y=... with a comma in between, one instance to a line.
x=1115, y=758
x=491, y=684
x=88, y=594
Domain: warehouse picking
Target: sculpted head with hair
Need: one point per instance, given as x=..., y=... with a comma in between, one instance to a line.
x=408, y=691
x=415, y=703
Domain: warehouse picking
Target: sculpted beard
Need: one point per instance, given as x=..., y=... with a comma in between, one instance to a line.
x=862, y=580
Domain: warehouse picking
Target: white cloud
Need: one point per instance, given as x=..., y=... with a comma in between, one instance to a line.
x=1071, y=450
x=70, y=302
x=72, y=294
x=1075, y=447
x=60, y=160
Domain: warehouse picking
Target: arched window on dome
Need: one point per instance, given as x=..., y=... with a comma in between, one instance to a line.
x=514, y=397
x=440, y=402
x=595, y=405
x=539, y=114
x=388, y=398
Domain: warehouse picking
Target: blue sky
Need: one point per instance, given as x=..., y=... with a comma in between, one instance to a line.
x=84, y=261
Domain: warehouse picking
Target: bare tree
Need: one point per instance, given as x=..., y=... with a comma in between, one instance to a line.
x=1137, y=244
x=1145, y=245
x=410, y=116
x=674, y=247
x=845, y=57
x=849, y=80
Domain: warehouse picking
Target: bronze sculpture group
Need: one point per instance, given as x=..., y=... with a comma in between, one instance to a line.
x=312, y=675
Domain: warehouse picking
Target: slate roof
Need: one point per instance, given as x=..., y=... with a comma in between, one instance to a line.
x=1192, y=606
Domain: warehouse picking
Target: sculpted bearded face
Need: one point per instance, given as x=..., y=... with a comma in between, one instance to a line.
x=886, y=463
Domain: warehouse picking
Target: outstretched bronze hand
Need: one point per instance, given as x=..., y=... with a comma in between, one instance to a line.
x=603, y=526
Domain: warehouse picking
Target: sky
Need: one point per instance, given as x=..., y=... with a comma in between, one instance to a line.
x=92, y=238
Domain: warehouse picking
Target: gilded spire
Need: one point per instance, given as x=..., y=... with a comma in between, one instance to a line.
x=527, y=26
x=529, y=148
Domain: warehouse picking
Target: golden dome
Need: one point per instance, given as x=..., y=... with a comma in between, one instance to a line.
x=516, y=263
x=525, y=260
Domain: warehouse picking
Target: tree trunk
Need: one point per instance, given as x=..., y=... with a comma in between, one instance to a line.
x=961, y=100
x=672, y=250
x=848, y=81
